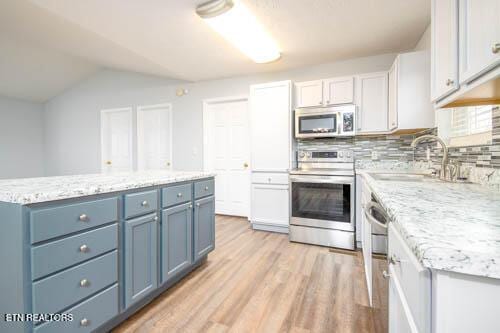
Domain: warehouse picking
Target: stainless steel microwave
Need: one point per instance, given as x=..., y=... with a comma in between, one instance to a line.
x=325, y=122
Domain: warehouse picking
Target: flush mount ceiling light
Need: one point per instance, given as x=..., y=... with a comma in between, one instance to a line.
x=239, y=26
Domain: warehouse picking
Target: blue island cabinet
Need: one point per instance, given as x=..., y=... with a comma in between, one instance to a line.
x=100, y=258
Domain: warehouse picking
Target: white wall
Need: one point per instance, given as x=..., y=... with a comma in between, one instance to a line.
x=72, y=123
x=21, y=139
x=425, y=41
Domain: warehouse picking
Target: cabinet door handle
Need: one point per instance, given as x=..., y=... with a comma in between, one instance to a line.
x=84, y=248
x=84, y=322
x=327, y=102
x=386, y=275
x=84, y=283
x=449, y=82
x=320, y=102
x=144, y=203
x=190, y=206
x=495, y=48
x=155, y=218
x=197, y=204
x=83, y=218
x=206, y=188
x=179, y=195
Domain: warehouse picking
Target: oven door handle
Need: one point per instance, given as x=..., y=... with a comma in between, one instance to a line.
x=375, y=206
x=323, y=179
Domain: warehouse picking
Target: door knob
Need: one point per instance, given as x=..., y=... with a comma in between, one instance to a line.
x=84, y=248
x=495, y=48
x=83, y=217
x=144, y=203
x=245, y=165
x=84, y=322
x=449, y=82
x=84, y=283
x=108, y=162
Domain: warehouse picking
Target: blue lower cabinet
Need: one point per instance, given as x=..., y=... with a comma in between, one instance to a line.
x=140, y=257
x=204, y=227
x=88, y=315
x=59, y=291
x=176, y=240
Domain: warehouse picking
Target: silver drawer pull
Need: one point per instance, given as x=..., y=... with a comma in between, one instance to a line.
x=495, y=48
x=394, y=260
x=372, y=205
x=144, y=203
x=83, y=218
x=84, y=322
x=155, y=218
x=84, y=248
x=198, y=204
x=179, y=195
x=206, y=188
x=386, y=275
x=84, y=283
x=190, y=206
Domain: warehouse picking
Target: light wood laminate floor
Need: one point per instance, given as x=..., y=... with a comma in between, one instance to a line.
x=257, y=281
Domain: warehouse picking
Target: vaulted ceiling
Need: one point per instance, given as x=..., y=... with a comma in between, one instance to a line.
x=50, y=44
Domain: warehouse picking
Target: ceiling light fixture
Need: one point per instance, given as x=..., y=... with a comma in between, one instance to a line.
x=239, y=26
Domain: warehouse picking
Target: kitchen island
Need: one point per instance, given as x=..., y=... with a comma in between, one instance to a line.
x=443, y=253
x=85, y=252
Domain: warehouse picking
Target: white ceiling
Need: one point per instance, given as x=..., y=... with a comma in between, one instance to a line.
x=167, y=38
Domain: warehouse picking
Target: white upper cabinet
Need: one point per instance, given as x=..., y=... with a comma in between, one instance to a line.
x=338, y=90
x=479, y=37
x=270, y=109
x=444, y=35
x=393, y=96
x=309, y=94
x=409, y=101
x=372, y=101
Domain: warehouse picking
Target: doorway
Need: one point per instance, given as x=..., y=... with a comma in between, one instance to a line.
x=116, y=140
x=226, y=152
x=154, y=137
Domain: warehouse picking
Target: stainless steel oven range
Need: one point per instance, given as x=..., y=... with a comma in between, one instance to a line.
x=322, y=198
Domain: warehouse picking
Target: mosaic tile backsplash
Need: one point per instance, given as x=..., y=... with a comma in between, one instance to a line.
x=480, y=163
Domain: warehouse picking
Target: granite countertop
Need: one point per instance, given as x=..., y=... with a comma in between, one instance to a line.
x=26, y=191
x=448, y=226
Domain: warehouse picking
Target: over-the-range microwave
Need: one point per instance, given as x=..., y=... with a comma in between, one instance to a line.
x=325, y=122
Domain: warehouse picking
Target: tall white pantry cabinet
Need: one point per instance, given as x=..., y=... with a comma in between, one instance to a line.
x=271, y=142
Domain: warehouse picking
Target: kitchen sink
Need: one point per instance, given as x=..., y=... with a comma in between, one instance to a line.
x=403, y=177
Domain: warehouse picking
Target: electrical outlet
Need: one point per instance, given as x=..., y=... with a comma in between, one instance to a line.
x=374, y=155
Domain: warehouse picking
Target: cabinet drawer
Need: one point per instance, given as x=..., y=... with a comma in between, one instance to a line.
x=413, y=278
x=58, y=291
x=140, y=203
x=270, y=178
x=203, y=188
x=175, y=195
x=57, y=255
x=88, y=315
x=57, y=221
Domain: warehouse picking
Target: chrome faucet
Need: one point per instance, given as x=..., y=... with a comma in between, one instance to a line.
x=444, y=162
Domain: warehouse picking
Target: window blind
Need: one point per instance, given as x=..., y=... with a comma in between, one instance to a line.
x=471, y=120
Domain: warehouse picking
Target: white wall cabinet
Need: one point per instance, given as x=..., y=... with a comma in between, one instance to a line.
x=372, y=101
x=409, y=100
x=339, y=90
x=271, y=142
x=309, y=94
x=465, y=52
x=444, y=48
x=479, y=27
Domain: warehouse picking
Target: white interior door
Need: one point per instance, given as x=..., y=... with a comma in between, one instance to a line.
x=116, y=140
x=227, y=153
x=154, y=137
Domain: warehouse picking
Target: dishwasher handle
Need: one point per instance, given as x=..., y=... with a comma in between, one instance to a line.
x=375, y=206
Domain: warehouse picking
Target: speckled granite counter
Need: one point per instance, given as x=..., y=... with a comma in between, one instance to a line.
x=448, y=226
x=33, y=190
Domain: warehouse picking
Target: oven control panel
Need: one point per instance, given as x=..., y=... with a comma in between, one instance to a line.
x=343, y=155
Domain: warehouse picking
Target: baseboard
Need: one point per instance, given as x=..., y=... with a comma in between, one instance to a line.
x=269, y=227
